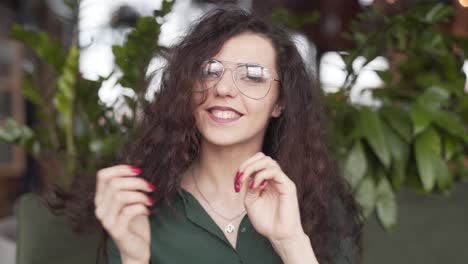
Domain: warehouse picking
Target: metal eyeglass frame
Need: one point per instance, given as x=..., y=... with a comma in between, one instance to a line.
x=234, y=76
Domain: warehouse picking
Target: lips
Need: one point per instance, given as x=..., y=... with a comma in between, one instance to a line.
x=223, y=114
x=223, y=108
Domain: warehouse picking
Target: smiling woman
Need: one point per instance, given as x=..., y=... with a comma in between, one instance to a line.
x=232, y=162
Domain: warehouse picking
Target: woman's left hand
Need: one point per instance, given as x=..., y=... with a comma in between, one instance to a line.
x=272, y=207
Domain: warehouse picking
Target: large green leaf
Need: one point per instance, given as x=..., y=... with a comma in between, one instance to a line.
x=399, y=150
x=427, y=149
x=64, y=102
x=452, y=147
x=386, y=205
x=433, y=98
x=371, y=126
x=139, y=49
x=438, y=13
x=166, y=8
x=450, y=123
x=444, y=176
x=63, y=99
x=14, y=133
x=421, y=118
x=399, y=121
x=356, y=164
x=45, y=48
x=366, y=195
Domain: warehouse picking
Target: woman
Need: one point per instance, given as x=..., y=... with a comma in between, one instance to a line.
x=235, y=144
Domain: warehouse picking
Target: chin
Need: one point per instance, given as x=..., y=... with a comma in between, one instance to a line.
x=222, y=140
x=226, y=139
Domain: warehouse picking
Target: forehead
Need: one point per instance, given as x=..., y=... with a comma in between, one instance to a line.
x=248, y=47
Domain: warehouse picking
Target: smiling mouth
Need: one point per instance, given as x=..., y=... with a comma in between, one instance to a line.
x=223, y=116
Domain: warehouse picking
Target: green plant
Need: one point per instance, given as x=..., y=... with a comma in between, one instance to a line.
x=76, y=133
x=418, y=137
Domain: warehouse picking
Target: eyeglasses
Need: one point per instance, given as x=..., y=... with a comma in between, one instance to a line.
x=252, y=80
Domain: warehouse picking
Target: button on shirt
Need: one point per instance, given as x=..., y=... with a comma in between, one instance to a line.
x=187, y=234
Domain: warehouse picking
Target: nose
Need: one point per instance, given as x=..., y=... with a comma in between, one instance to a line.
x=226, y=85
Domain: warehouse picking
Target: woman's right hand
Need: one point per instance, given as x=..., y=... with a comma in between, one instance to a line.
x=121, y=207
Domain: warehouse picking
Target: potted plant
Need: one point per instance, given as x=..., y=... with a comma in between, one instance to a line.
x=416, y=135
x=74, y=135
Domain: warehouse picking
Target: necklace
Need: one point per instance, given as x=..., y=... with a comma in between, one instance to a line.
x=229, y=228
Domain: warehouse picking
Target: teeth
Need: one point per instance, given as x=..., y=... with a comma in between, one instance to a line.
x=225, y=114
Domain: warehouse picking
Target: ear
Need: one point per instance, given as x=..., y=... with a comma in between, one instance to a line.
x=277, y=110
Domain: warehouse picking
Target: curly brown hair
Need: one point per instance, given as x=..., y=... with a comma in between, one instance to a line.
x=297, y=140
x=168, y=140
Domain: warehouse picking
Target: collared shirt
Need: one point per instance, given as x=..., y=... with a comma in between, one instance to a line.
x=188, y=234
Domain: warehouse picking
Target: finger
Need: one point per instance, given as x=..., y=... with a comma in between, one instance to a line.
x=116, y=201
x=253, y=168
x=104, y=176
x=131, y=184
x=240, y=173
x=271, y=174
x=127, y=215
x=254, y=158
x=117, y=185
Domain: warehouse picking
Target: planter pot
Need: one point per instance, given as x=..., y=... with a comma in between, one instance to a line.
x=44, y=238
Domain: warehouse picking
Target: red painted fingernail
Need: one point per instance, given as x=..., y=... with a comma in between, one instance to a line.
x=263, y=183
x=238, y=176
x=151, y=186
x=135, y=170
x=237, y=187
x=251, y=184
x=150, y=200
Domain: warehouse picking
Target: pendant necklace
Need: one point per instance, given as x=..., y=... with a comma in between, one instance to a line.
x=229, y=228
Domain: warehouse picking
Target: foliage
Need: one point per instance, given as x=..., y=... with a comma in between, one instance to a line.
x=282, y=16
x=81, y=133
x=418, y=136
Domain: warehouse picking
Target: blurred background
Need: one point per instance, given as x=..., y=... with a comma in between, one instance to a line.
x=74, y=74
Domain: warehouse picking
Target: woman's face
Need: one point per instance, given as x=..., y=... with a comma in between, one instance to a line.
x=228, y=117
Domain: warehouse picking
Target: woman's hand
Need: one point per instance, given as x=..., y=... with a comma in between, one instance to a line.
x=121, y=207
x=271, y=200
x=273, y=208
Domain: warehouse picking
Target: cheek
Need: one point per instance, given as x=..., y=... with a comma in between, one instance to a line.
x=263, y=108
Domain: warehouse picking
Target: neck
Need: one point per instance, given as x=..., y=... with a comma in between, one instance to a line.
x=216, y=169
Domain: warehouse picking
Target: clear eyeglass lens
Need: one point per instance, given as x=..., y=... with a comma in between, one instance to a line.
x=252, y=80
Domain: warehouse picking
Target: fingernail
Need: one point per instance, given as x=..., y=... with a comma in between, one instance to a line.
x=151, y=186
x=135, y=169
x=263, y=183
x=237, y=178
x=151, y=200
x=237, y=187
x=251, y=184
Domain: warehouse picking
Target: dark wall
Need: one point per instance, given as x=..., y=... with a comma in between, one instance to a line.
x=430, y=230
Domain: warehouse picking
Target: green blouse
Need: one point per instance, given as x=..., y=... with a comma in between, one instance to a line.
x=189, y=235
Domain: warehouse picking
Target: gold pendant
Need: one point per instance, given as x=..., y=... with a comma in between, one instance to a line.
x=230, y=228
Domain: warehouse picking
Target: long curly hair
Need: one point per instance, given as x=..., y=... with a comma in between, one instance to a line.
x=168, y=141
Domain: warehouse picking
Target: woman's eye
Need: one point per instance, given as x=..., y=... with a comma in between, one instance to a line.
x=211, y=73
x=212, y=70
x=254, y=74
x=255, y=78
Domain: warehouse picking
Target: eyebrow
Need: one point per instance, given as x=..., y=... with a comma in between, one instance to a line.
x=242, y=63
